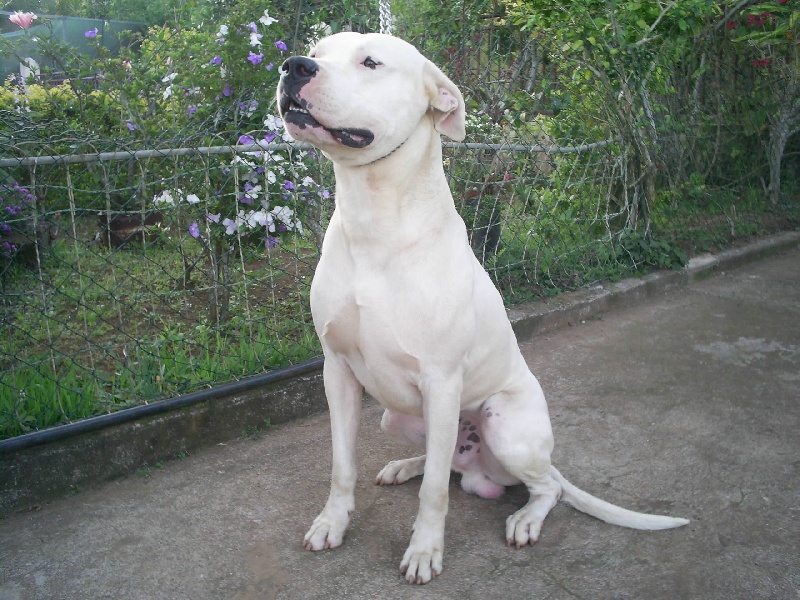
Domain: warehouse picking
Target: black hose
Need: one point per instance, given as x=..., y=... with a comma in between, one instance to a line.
x=62, y=432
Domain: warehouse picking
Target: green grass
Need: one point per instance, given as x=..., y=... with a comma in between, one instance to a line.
x=121, y=333
x=99, y=330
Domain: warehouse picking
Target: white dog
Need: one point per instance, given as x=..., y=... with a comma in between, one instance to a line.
x=404, y=310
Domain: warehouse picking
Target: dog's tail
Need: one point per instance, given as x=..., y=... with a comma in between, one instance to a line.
x=610, y=513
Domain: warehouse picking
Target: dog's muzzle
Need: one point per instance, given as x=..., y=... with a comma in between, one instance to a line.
x=296, y=72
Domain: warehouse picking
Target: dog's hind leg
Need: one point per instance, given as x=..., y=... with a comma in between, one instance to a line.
x=409, y=430
x=516, y=428
x=344, y=394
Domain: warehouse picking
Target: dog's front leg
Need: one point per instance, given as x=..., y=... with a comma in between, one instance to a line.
x=423, y=559
x=344, y=394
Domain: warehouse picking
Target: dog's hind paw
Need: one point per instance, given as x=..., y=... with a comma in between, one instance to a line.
x=400, y=471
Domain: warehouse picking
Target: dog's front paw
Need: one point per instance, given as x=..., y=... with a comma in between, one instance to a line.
x=423, y=559
x=400, y=471
x=326, y=532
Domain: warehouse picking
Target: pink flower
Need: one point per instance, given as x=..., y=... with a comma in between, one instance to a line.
x=731, y=24
x=23, y=19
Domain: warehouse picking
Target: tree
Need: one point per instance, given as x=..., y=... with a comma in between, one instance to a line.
x=621, y=55
x=772, y=31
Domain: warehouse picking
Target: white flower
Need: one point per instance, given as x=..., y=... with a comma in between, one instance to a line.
x=259, y=218
x=308, y=182
x=253, y=192
x=231, y=227
x=169, y=78
x=266, y=20
x=223, y=31
x=271, y=177
x=192, y=199
x=165, y=198
x=284, y=214
x=273, y=123
x=167, y=92
x=255, y=39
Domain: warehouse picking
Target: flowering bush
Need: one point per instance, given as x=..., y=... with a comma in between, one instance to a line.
x=16, y=206
x=274, y=193
x=216, y=83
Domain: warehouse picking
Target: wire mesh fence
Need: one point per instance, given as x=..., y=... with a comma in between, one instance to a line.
x=135, y=269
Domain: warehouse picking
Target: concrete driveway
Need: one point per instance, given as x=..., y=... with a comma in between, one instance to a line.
x=686, y=405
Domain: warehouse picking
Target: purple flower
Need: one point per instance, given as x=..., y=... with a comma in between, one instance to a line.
x=131, y=125
x=194, y=230
x=246, y=140
x=269, y=137
x=270, y=241
x=270, y=66
x=226, y=91
x=5, y=229
x=288, y=185
x=217, y=60
x=255, y=58
x=281, y=45
x=92, y=33
x=213, y=218
x=191, y=110
x=252, y=26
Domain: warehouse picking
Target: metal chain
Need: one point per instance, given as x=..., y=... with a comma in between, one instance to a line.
x=386, y=18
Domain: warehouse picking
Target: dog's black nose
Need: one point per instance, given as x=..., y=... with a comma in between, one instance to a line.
x=299, y=69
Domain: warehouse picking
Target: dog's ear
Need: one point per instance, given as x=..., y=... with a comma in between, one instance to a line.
x=446, y=103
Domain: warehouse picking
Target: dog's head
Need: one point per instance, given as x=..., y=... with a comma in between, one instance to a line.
x=360, y=97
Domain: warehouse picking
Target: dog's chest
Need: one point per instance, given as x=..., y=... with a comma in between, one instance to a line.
x=377, y=329
x=371, y=347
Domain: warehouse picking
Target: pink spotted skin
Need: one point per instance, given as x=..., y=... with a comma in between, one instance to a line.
x=473, y=460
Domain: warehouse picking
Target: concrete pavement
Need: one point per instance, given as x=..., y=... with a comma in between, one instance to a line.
x=685, y=405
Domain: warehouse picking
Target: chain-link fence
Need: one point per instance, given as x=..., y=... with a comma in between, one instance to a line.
x=137, y=269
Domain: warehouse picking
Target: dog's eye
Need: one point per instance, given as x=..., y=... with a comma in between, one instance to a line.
x=370, y=63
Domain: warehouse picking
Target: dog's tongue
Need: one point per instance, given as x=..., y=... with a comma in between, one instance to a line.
x=353, y=138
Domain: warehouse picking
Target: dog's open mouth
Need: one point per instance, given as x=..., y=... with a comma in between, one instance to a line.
x=294, y=113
